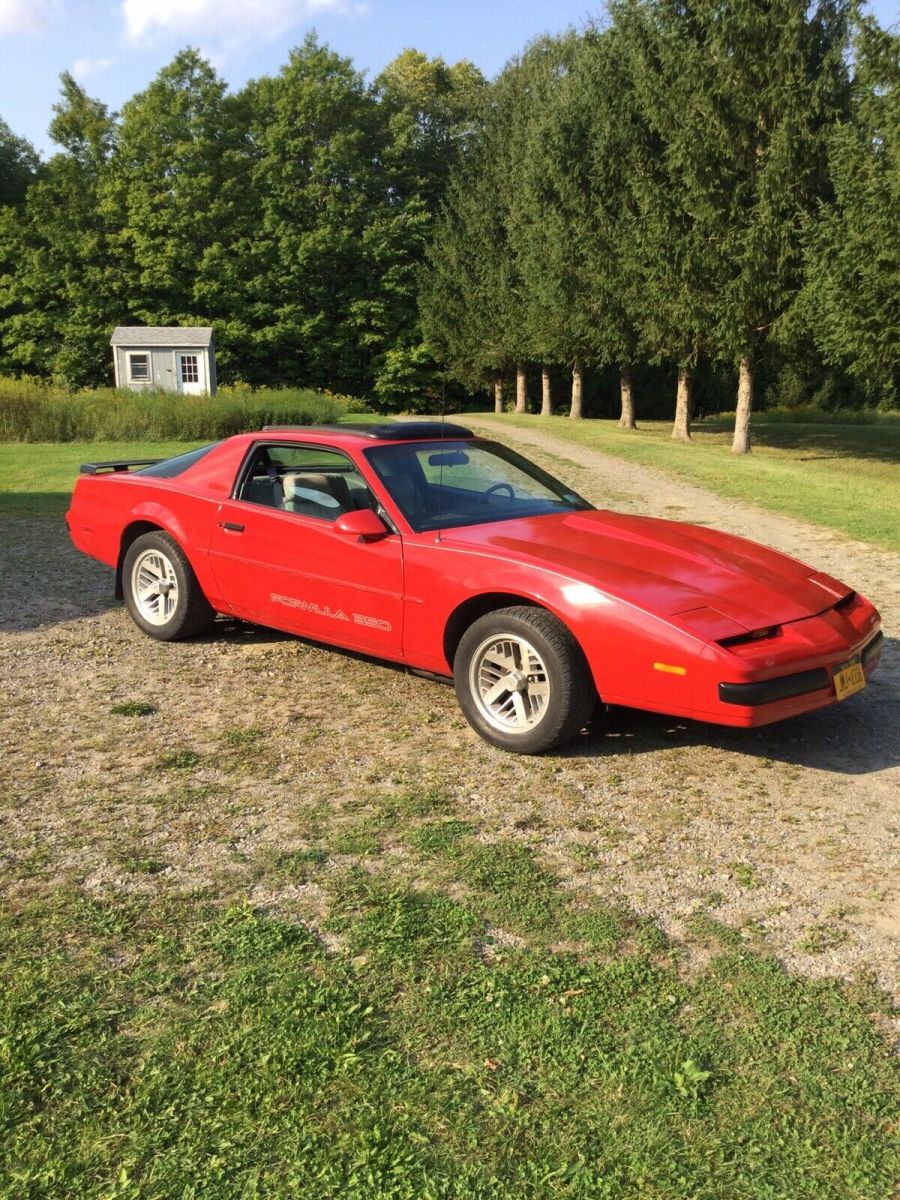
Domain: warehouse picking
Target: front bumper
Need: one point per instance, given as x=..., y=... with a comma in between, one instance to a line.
x=801, y=683
x=750, y=702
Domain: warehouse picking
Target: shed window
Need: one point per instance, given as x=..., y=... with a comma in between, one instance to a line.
x=189, y=369
x=138, y=368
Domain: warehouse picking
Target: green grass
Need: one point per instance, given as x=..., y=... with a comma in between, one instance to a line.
x=846, y=477
x=167, y=1049
x=454, y=1025
x=134, y=708
x=38, y=477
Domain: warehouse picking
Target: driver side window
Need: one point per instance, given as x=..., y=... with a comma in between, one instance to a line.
x=311, y=481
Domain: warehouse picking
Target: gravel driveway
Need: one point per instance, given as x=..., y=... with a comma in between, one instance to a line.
x=259, y=743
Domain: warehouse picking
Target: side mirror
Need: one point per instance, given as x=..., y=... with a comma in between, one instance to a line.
x=363, y=525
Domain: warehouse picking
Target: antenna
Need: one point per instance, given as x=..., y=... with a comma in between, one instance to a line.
x=441, y=467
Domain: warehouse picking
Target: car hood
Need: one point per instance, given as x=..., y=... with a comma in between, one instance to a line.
x=668, y=568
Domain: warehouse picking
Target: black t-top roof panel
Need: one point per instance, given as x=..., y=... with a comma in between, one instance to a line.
x=390, y=431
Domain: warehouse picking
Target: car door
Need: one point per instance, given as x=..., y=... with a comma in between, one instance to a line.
x=279, y=559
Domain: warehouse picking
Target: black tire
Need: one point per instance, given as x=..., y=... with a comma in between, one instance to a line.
x=543, y=664
x=190, y=612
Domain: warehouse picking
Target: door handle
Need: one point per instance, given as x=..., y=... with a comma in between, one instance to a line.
x=231, y=526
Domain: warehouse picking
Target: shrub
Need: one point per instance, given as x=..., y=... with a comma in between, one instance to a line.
x=33, y=411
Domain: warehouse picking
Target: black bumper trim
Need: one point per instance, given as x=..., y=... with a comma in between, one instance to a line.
x=782, y=688
x=873, y=649
x=786, y=686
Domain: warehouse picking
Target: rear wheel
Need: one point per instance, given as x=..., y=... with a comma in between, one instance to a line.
x=161, y=590
x=522, y=681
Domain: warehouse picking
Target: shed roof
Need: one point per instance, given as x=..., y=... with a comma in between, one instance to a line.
x=161, y=335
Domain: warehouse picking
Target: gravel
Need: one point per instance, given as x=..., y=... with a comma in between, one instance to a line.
x=261, y=743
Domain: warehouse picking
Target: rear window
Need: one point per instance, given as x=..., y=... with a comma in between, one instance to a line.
x=176, y=466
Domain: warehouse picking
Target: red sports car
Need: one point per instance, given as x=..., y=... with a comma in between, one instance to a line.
x=424, y=544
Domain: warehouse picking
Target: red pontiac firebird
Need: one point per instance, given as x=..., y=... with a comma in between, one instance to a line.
x=424, y=544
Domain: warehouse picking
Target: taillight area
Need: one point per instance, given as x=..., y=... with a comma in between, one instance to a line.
x=757, y=635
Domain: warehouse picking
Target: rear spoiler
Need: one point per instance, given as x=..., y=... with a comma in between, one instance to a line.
x=124, y=464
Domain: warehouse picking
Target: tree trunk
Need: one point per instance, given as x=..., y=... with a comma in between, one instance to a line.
x=683, y=403
x=626, y=390
x=575, y=412
x=546, y=393
x=498, y=391
x=521, y=390
x=741, y=443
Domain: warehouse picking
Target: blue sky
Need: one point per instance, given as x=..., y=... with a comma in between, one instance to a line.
x=115, y=47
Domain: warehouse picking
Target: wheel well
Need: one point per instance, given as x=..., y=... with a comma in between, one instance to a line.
x=130, y=534
x=470, y=610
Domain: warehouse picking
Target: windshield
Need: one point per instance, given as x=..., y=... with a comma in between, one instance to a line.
x=437, y=485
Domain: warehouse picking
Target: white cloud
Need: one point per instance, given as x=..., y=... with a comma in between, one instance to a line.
x=219, y=19
x=26, y=16
x=83, y=68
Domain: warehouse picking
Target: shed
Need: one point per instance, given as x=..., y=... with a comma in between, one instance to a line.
x=173, y=358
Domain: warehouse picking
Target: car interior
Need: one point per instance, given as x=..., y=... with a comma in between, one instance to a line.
x=435, y=486
x=305, y=480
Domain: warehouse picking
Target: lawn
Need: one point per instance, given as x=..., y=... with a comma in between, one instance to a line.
x=843, y=476
x=175, y=1048
x=38, y=477
x=846, y=477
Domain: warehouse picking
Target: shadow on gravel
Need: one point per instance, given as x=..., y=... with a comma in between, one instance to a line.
x=853, y=738
x=858, y=737
x=47, y=581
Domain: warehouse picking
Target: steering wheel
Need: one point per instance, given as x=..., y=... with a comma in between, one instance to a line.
x=498, y=487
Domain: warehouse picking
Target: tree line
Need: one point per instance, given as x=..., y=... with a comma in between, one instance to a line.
x=688, y=186
x=693, y=183
x=291, y=215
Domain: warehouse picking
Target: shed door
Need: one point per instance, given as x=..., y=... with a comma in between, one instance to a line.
x=190, y=375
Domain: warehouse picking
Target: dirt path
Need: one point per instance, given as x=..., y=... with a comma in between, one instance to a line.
x=255, y=743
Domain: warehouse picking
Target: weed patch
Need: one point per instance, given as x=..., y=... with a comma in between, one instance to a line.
x=133, y=708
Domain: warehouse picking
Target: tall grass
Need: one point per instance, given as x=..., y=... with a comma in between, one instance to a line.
x=809, y=414
x=33, y=411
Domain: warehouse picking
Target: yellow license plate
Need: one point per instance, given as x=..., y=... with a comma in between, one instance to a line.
x=849, y=677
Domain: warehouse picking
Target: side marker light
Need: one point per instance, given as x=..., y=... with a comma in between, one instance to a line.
x=668, y=669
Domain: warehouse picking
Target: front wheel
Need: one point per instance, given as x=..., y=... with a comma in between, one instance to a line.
x=161, y=590
x=522, y=681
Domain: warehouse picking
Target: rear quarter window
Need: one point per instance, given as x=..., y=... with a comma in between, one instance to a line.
x=176, y=466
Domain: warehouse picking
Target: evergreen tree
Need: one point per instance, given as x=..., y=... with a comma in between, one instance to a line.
x=317, y=179
x=488, y=240
x=667, y=163
x=737, y=97
x=549, y=215
x=427, y=114
x=466, y=297
x=781, y=66
x=590, y=135
x=851, y=301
